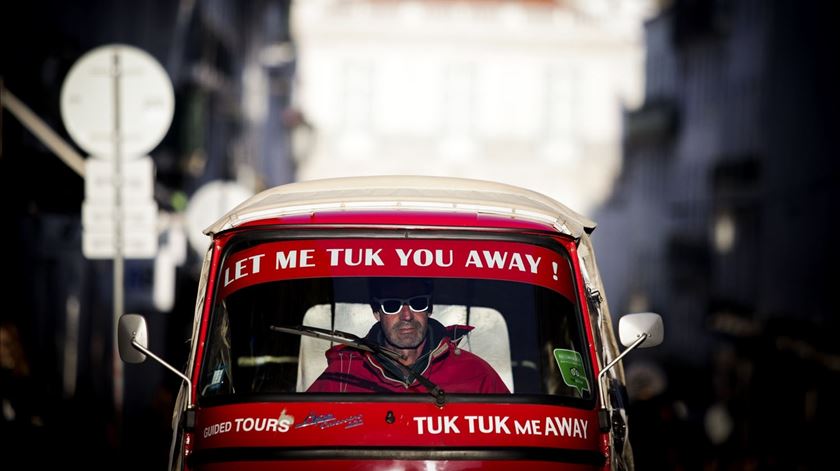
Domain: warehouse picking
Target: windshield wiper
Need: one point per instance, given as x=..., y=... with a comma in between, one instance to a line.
x=339, y=336
x=355, y=341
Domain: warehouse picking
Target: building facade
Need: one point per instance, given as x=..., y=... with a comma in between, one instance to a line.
x=527, y=93
x=722, y=220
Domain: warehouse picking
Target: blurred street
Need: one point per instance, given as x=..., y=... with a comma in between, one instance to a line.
x=698, y=134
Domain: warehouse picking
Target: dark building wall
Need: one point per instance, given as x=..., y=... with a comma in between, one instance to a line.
x=66, y=314
x=723, y=221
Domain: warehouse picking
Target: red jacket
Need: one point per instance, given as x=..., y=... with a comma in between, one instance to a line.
x=446, y=365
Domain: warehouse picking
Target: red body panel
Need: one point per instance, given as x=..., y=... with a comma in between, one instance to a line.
x=335, y=424
x=385, y=426
x=402, y=465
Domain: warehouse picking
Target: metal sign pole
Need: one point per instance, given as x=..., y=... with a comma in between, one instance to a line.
x=118, y=236
x=140, y=92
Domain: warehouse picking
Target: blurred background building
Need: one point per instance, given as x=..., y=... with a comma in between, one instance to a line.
x=231, y=64
x=481, y=89
x=697, y=133
x=722, y=219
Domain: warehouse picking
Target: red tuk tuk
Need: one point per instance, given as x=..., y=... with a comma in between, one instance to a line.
x=289, y=276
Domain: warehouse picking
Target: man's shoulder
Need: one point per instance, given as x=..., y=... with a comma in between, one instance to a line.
x=470, y=367
x=466, y=357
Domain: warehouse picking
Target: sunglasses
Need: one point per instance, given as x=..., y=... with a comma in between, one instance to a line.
x=391, y=306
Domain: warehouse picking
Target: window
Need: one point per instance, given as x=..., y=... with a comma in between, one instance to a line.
x=525, y=325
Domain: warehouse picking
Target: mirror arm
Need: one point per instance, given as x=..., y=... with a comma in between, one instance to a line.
x=603, y=416
x=629, y=349
x=145, y=350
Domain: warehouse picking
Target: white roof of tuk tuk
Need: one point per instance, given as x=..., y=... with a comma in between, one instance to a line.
x=390, y=192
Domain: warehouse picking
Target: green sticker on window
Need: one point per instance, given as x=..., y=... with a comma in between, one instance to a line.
x=571, y=368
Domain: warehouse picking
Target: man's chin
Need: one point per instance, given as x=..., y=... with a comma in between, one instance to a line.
x=405, y=343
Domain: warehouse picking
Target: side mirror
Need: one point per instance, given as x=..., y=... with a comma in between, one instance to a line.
x=132, y=327
x=133, y=339
x=633, y=326
x=643, y=330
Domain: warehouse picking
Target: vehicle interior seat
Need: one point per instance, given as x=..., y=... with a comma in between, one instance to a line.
x=489, y=339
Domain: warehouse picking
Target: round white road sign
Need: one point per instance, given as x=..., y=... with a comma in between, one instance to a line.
x=210, y=202
x=117, y=78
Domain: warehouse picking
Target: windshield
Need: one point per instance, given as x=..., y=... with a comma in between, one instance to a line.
x=494, y=317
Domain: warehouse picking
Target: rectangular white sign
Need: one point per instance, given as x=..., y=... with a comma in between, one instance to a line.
x=100, y=245
x=137, y=180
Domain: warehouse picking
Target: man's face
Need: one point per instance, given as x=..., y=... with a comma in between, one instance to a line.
x=407, y=328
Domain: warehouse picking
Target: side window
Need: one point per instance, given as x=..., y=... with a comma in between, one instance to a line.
x=218, y=367
x=563, y=352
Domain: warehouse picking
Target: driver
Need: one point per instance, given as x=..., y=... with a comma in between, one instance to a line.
x=402, y=307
